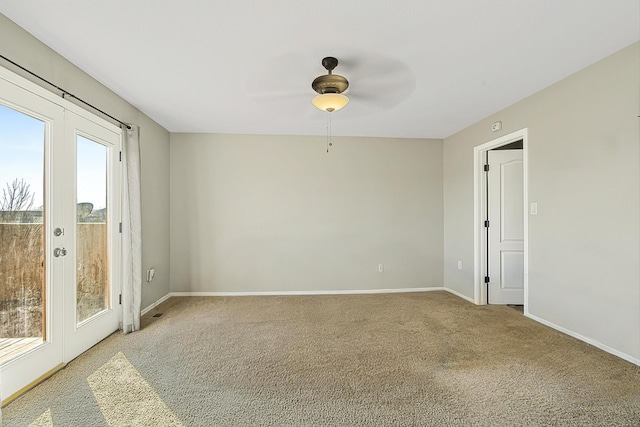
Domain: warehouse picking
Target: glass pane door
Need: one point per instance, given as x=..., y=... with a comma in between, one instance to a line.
x=22, y=240
x=91, y=306
x=31, y=205
x=59, y=236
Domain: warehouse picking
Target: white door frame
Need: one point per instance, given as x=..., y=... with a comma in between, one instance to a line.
x=479, y=206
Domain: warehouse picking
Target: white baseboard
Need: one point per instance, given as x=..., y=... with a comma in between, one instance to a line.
x=155, y=304
x=459, y=295
x=593, y=342
x=277, y=293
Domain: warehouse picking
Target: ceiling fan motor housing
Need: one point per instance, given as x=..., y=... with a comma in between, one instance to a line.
x=330, y=83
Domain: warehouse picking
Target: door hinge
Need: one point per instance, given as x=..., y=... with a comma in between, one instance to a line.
x=120, y=227
x=486, y=168
x=121, y=156
x=486, y=223
x=486, y=279
x=120, y=299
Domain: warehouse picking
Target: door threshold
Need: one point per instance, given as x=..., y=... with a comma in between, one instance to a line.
x=517, y=307
x=31, y=385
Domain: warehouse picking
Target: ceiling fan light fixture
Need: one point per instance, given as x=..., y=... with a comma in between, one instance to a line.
x=330, y=88
x=330, y=102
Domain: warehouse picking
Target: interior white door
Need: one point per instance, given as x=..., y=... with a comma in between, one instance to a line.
x=92, y=282
x=506, y=227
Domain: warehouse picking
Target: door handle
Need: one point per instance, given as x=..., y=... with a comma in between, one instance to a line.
x=59, y=252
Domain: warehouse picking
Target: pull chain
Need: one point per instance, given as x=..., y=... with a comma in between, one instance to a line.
x=329, y=143
x=328, y=131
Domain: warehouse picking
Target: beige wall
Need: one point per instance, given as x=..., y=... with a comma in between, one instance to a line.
x=19, y=46
x=584, y=169
x=278, y=213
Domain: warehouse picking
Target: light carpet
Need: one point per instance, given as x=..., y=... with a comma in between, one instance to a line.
x=421, y=359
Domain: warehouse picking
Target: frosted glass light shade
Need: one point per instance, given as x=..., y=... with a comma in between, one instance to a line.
x=330, y=101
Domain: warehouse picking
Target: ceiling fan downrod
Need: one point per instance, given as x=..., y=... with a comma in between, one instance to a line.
x=330, y=83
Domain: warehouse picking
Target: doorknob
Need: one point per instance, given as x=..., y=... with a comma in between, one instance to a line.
x=59, y=252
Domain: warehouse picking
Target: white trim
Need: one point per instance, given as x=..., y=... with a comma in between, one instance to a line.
x=525, y=201
x=155, y=304
x=459, y=295
x=479, y=290
x=284, y=293
x=591, y=341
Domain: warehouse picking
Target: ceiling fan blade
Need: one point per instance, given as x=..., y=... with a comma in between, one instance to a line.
x=283, y=74
x=379, y=81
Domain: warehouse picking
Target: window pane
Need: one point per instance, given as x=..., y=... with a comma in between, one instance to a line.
x=92, y=234
x=22, y=261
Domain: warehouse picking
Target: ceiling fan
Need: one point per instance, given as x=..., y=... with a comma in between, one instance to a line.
x=376, y=83
x=330, y=88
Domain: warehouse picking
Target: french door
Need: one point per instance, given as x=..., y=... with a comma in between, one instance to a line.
x=59, y=237
x=92, y=239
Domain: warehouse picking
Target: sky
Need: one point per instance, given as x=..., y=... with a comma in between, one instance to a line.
x=22, y=157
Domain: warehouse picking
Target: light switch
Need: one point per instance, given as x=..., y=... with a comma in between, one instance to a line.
x=534, y=208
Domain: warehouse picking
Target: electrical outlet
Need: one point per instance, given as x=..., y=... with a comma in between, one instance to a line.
x=459, y=264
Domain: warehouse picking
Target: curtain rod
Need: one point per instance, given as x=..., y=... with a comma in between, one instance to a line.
x=65, y=92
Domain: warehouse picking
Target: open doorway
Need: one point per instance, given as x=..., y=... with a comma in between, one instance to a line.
x=500, y=221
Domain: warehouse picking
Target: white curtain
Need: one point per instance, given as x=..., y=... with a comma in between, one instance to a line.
x=131, y=231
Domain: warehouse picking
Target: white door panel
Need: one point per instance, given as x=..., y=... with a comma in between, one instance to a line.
x=511, y=199
x=512, y=270
x=506, y=227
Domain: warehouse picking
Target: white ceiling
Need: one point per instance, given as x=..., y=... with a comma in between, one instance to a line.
x=417, y=68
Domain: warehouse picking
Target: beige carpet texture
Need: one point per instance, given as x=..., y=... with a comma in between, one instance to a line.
x=414, y=359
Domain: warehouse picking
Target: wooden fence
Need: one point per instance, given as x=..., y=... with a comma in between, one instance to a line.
x=22, y=276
